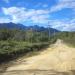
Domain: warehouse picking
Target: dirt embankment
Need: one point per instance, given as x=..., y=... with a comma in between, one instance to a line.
x=57, y=58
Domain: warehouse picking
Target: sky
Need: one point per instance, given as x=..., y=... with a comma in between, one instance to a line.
x=58, y=14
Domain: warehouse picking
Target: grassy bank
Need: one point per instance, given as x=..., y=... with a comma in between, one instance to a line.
x=67, y=37
x=12, y=49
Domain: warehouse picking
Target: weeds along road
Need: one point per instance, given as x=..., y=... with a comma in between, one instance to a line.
x=55, y=59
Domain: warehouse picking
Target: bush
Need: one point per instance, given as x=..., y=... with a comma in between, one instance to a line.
x=13, y=49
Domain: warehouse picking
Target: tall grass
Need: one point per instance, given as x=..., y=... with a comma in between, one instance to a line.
x=13, y=49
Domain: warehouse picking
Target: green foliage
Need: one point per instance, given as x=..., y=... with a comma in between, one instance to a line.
x=13, y=49
x=14, y=43
x=21, y=35
x=67, y=37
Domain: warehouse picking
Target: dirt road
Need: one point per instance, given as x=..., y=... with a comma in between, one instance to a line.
x=58, y=57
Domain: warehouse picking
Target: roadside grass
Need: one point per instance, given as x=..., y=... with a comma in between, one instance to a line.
x=10, y=50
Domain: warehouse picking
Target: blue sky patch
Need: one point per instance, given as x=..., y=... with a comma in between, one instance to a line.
x=60, y=14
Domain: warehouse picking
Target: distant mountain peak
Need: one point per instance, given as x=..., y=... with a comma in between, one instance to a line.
x=12, y=25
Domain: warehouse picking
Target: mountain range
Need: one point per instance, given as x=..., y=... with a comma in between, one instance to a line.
x=23, y=27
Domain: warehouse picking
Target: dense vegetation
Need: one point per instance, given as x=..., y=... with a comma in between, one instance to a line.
x=67, y=37
x=14, y=43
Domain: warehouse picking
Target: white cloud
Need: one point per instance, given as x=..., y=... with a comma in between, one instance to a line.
x=63, y=4
x=12, y=10
x=42, y=16
x=65, y=25
x=4, y=20
x=42, y=19
x=22, y=14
